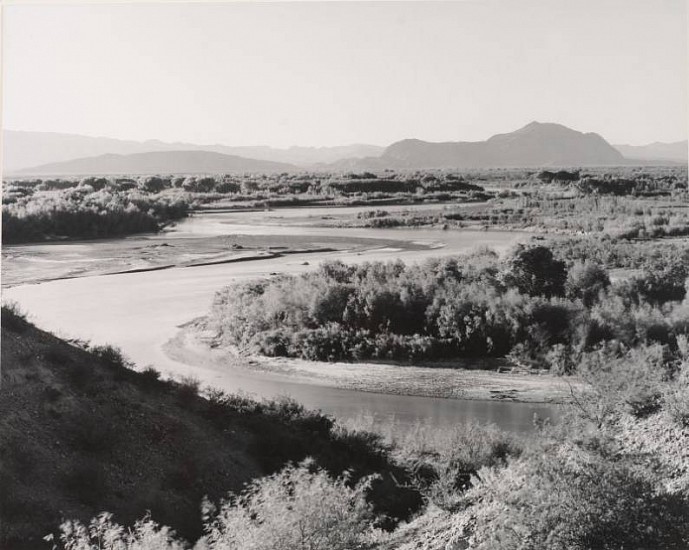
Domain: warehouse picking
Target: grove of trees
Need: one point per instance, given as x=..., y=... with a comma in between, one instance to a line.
x=85, y=213
x=529, y=305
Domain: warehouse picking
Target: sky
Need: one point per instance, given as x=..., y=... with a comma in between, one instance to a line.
x=334, y=73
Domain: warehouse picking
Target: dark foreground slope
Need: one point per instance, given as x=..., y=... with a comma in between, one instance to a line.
x=81, y=433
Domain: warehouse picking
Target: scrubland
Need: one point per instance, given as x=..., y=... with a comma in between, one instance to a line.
x=39, y=210
x=625, y=202
x=529, y=306
x=222, y=471
x=86, y=433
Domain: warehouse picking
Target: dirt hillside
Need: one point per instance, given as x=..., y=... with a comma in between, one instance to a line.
x=80, y=433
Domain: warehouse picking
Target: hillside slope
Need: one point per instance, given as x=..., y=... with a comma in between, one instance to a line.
x=158, y=162
x=22, y=149
x=82, y=433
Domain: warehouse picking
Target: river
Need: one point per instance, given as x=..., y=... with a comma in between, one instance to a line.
x=140, y=312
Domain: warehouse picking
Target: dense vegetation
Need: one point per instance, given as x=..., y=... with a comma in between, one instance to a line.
x=619, y=217
x=614, y=473
x=530, y=305
x=611, y=475
x=38, y=210
x=640, y=204
x=261, y=190
x=81, y=212
x=630, y=203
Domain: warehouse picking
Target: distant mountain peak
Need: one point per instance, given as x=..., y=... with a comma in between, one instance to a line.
x=536, y=127
x=536, y=144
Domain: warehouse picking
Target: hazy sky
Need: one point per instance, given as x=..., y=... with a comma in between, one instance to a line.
x=335, y=73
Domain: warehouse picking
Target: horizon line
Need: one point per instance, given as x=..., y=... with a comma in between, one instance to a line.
x=349, y=144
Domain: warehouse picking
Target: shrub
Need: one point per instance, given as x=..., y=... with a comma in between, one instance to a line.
x=533, y=270
x=561, y=359
x=325, y=343
x=187, y=389
x=676, y=396
x=103, y=533
x=299, y=508
x=585, y=281
x=295, y=509
x=13, y=318
x=569, y=503
x=273, y=343
x=110, y=355
x=662, y=283
x=94, y=183
x=480, y=307
x=85, y=213
x=153, y=184
x=448, y=466
x=621, y=381
x=149, y=378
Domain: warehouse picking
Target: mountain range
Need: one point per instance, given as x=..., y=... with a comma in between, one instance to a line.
x=22, y=150
x=536, y=144
x=677, y=151
x=159, y=162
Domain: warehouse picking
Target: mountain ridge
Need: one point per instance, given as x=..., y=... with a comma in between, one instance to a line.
x=545, y=144
x=27, y=149
x=658, y=150
x=157, y=162
x=536, y=144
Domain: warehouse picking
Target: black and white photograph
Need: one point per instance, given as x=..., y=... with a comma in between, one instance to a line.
x=344, y=275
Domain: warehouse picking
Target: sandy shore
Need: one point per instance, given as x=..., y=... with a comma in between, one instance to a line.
x=452, y=381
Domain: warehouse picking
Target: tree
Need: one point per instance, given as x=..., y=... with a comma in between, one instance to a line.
x=152, y=184
x=204, y=185
x=533, y=270
x=96, y=183
x=585, y=281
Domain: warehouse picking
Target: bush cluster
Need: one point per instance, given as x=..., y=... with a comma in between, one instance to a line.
x=298, y=508
x=85, y=213
x=529, y=305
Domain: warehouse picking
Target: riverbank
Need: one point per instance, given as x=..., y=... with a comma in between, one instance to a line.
x=218, y=237
x=461, y=379
x=139, y=312
x=40, y=263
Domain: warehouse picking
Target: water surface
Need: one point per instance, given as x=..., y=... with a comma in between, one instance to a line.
x=140, y=312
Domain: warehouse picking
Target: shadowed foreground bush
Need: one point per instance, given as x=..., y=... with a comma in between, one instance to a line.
x=13, y=318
